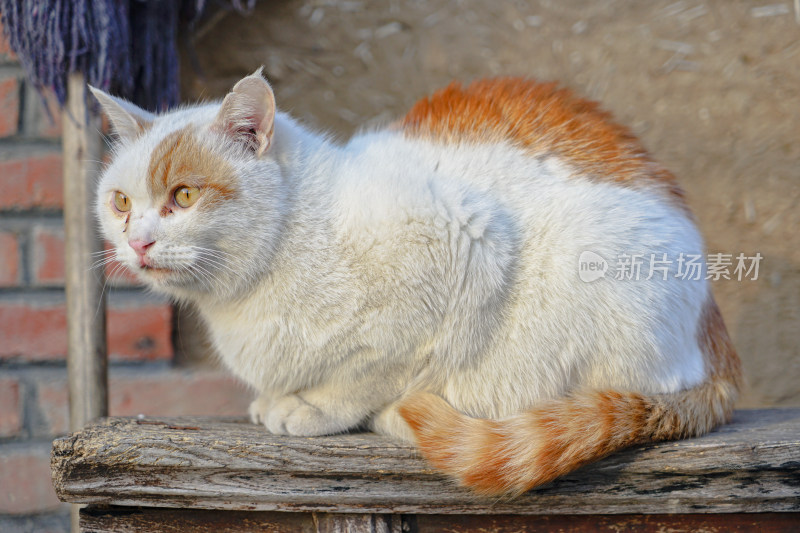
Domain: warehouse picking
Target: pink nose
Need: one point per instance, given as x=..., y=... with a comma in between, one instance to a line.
x=140, y=246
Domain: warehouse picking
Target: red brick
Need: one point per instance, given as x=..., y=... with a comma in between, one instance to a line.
x=53, y=403
x=9, y=260
x=177, y=394
x=39, y=333
x=9, y=106
x=10, y=407
x=38, y=123
x=33, y=181
x=169, y=393
x=140, y=333
x=32, y=333
x=48, y=261
x=25, y=483
x=5, y=49
x=48, y=256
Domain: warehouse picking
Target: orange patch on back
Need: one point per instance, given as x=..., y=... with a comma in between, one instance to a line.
x=543, y=119
x=180, y=159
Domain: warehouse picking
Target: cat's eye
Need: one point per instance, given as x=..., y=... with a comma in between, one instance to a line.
x=121, y=202
x=186, y=196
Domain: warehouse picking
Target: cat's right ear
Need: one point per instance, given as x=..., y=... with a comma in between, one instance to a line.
x=248, y=113
x=128, y=120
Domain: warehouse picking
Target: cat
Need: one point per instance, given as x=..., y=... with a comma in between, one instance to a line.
x=423, y=279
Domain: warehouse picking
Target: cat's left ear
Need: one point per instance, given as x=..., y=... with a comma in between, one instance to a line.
x=127, y=119
x=248, y=113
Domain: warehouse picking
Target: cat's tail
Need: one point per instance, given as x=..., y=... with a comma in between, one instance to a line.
x=512, y=455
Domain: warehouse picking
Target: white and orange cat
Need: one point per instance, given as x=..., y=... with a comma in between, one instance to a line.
x=423, y=279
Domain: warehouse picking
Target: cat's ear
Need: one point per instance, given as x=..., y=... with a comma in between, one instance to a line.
x=128, y=120
x=248, y=113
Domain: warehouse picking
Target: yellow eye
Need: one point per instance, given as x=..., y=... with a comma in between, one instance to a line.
x=122, y=202
x=186, y=196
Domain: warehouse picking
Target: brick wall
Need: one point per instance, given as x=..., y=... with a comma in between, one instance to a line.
x=144, y=377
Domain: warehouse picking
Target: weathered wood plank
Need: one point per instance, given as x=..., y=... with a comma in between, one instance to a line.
x=659, y=523
x=750, y=465
x=103, y=519
x=128, y=519
x=155, y=520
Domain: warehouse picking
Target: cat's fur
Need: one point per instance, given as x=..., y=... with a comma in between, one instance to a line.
x=424, y=278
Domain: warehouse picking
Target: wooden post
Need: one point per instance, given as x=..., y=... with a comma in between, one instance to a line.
x=86, y=311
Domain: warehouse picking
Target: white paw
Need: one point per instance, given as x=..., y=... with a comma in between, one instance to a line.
x=258, y=409
x=291, y=415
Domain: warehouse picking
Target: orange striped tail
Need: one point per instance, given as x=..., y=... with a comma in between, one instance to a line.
x=512, y=455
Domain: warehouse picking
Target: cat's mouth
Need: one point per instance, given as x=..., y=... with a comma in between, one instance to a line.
x=152, y=269
x=146, y=265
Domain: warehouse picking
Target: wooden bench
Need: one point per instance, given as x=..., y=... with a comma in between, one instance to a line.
x=201, y=474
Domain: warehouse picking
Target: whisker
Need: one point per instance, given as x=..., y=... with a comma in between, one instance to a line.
x=102, y=262
x=103, y=289
x=216, y=258
x=219, y=254
x=204, y=276
x=214, y=262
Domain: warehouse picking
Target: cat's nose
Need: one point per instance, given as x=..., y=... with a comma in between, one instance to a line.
x=140, y=246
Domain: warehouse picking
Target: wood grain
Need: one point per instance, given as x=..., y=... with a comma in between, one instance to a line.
x=86, y=310
x=155, y=520
x=97, y=519
x=87, y=366
x=750, y=465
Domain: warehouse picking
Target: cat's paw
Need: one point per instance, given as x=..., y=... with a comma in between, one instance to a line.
x=291, y=415
x=259, y=409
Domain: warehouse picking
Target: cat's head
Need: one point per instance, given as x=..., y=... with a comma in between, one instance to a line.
x=193, y=199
